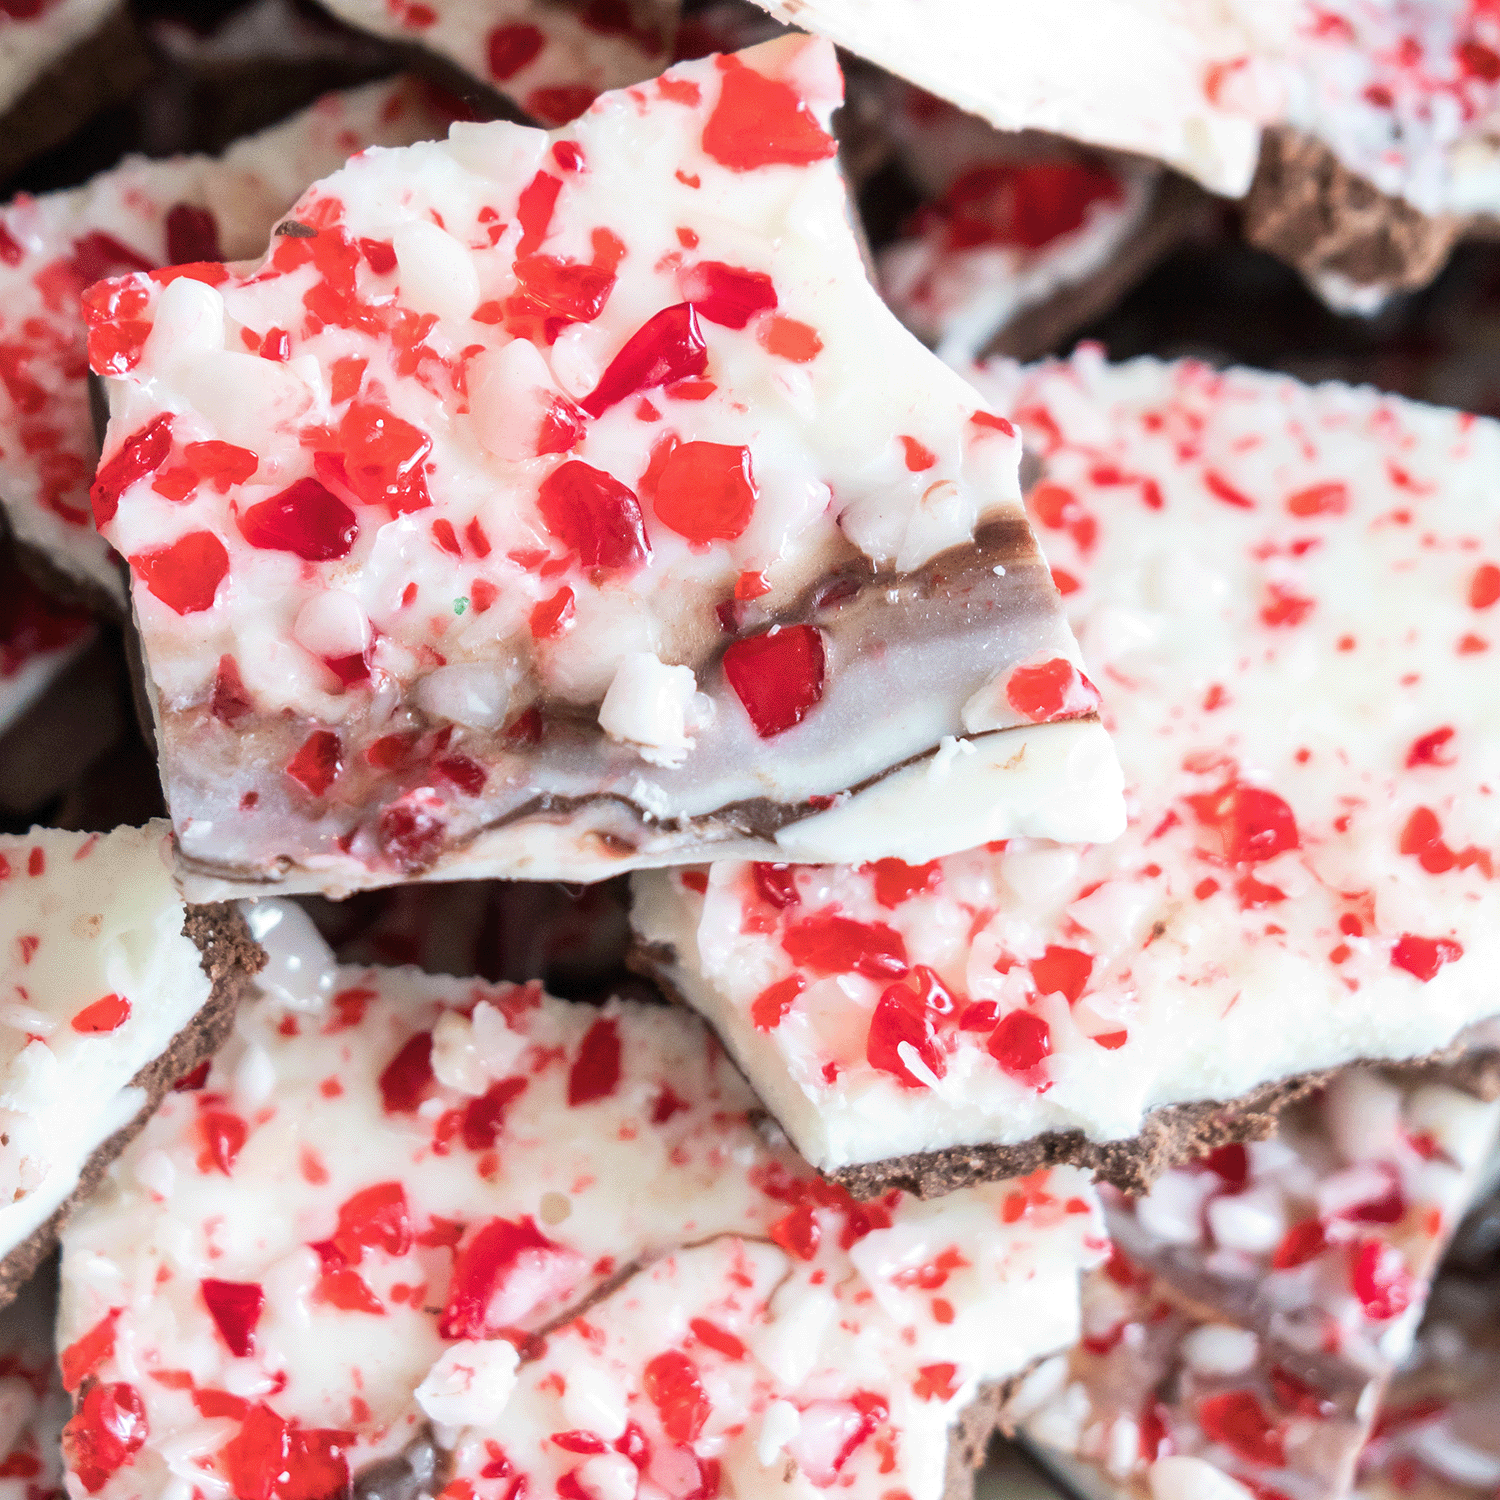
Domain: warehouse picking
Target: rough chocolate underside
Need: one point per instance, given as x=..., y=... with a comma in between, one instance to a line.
x=231, y=958
x=1311, y=211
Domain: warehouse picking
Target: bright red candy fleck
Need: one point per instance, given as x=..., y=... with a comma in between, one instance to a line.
x=831, y=944
x=1248, y=823
x=408, y=1075
x=222, y=464
x=1331, y=499
x=484, y=1117
x=798, y=1233
x=499, y=1275
x=375, y=1218
x=1484, y=586
x=305, y=519
x=1237, y=1419
x=235, y=1307
x=906, y=1015
x=384, y=458
x=509, y=48
x=552, y=617
x=318, y=761
x=466, y=774
x=665, y=348
x=706, y=491
x=718, y=1339
x=672, y=1384
x=108, y=1014
x=1294, y=1394
x=1062, y=971
x=594, y=515
x=107, y=1430
x=1427, y=749
x=727, y=295
x=411, y=830
x=271, y=1459
x=1231, y=1162
x=896, y=881
x=1423, y=956
x=1285, y=607
x=1050, y=690
x=87, y=1352
x=778, y=676
x=761, y=122
x=776, y=884
x=226, y=1135
x=769, y=1008
x=1380, y=1280
x=142, y=453
x=185, y=576
x=595, y=1073
x=1020, y=1042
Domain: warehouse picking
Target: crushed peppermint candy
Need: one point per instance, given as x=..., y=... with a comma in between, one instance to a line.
x=1285, y=596
x=537, y=507
x=543, y=1239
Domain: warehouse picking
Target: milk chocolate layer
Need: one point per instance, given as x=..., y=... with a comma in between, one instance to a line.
x=231, y=958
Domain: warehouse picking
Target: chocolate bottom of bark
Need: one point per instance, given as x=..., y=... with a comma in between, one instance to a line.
x=970, y=1436
x=231, y=958
x=1310, y=210
x=1179, y=211
x=1169, y=1135
x=105, y=67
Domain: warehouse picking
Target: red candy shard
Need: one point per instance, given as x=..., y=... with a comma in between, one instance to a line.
x=594, y=515
x=667, y=347
x=318, y=761
x=776, y=883
x=1062, y=971
x=1051, y=690
x=595, y=1073
x=762, y=122
x=235, y=1307
x=505, y=1270
x=906, y=1016
x=408, y=1075
x=727, y=295
x=222, y=464
x=1379, y=1278
x=1484, y=586
x=410, y=829
x=270, y=1459
x=305, y=519
x=769, y=1008
x=798, y=1233
x=672, y=1384
x=831, y=944
x=87, y=1352
x=777, y=676
x=105, y=1433
x=1424, y=956
x=226, y=1135
x=108, y=1014
x=384, y=458
x=142, y=453
x=1231, y=1162
x=1021, y=1042
x=185, y=576
x=1237, y=1419
x=1301, y=1243
x=484, y=1117
x=896, y=881
x=1331, y=499
x=1248, y=823
x=706, y=491
x=375, y=1218
x=509, y=48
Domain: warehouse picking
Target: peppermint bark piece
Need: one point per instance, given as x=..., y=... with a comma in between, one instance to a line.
x=552, y=57
x=580, y=507
x=113, y=992
x=1257, y=1302
x=137, y=215
x=525, y=1243
x=1287, y=595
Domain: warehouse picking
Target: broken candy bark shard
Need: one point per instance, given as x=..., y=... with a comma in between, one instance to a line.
x=1258, y=1301
x=548, y=506
x=114, y=992
x=552, y=57
x=1288, y=598
x=137, y=215
x=525, y=1243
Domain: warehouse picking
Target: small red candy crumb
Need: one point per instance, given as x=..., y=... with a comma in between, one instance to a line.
x=408, y=1075
x=1020, y=1042
x=776, y=884
x=1063, y=971
x=672, y=1384
x=226, y=1135
x=1427, y=750
x=665, y=348
x=106, y=1432
x=318, y=761
x=595, y=1073
x=906, y=1016
x=375, y=1218
x=271, y=1459
x=1484, y=586
x=798, y=1233
x=594, y=515
x=140, y=454
x=831, y=944
x=108, y=1014
x=1237, y=1419
x=896, y=881
x=460, y=771
x=484, y=1117
x=1248, y=823
x=720, y=1340
x=553, y=616
x=935, y=1382
x=411, y=830
x=509, y=48
x=1424, y=956
x=761, y=122
x=777, y=676
x=384, y=458
x=304, y=519
x=706, y=491
x=769, y=1008
x=1379, y=1278
x=1331, y=499
x=1285, y=607
x=787, y=339
x=185, y=576
x=499, y=1275
x=1051, y=690
x=919, y=457
x=86, y=1353
x=727, y=295
x=235, y=1307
